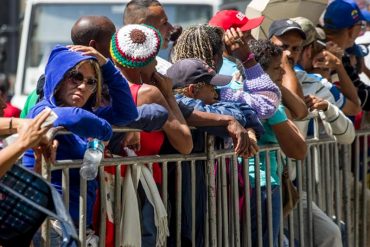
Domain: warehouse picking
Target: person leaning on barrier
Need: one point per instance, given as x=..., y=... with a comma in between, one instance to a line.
x=206, y=43
x=194, y=84
x=200, y=94
x=316, y=59
x=238, y=27
x=151, y=12
x=290, y=36
x=343, y=23
x=73, y=90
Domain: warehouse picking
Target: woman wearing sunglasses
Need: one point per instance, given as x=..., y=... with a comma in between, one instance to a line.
x=73, y=85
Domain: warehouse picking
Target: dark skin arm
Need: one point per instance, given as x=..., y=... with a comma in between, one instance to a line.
x=244, y=140
x=176, y=129
x=290, y=140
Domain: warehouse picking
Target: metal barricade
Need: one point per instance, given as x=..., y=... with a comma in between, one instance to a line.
x=333, y=178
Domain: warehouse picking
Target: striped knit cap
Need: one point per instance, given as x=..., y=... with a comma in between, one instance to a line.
x=135, y=46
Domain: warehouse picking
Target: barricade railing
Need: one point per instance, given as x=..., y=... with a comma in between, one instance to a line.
x=332, y=176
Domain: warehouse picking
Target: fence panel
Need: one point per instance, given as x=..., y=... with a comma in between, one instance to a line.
x=325, y=176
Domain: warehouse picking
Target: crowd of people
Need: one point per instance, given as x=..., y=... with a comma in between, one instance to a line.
x=218, y=79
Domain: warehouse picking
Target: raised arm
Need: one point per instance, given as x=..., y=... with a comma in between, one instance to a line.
x=122, y=110
x=259, y=91
x=328, y=60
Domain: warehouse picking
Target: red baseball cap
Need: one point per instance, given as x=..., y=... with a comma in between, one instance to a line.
x=227, y=19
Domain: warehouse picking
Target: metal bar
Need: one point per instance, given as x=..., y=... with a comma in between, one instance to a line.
x=316, y=172
x=364, y=191
x=234, y=169
x=82, y=221
x=65, y=186
x=165, y=189
x=268, y=199
x=130, y=160
x=280, y=172
x=309, y=199
x=291, y=229
x=117, y=206
x=328, y=194
x=232, y=202
x=356, y=192
x=300, y=204
x=224, y=203
x=165, y=185
x=336, y=184
x=193, y=202
x=211, y=190
x=346, y=193
x=206, y=215
x=103, y=207
x=258, y=200
x=45, y=228
x=178, y=202
x=247, y=226
x=219, y=202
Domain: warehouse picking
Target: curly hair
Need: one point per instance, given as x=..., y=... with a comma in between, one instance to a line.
x=201, y=41
x=185, y=90
x=264, y=51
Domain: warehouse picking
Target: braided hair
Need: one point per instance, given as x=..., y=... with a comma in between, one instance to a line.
x=201, y=41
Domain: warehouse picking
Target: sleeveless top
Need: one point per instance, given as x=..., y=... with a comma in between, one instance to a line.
x=150, y=142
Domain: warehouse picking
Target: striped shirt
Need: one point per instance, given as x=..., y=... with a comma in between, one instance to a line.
x=315, y=84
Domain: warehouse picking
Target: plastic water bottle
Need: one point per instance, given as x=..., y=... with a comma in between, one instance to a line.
x=92, y=159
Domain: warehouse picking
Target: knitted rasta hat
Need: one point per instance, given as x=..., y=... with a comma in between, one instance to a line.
x=135, y=46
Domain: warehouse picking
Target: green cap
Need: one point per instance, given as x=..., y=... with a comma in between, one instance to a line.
x=309, y=29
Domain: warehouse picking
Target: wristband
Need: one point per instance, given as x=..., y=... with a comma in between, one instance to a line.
x=11, y=125
x=250, y=56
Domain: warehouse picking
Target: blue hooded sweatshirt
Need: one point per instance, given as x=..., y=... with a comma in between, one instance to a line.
x=82, y=122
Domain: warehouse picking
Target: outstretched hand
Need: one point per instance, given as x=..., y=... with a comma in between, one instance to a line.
x=31, y=132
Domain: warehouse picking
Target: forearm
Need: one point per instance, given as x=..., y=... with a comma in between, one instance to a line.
x=259, y=92
x=9, y=126
x=290, y=81
x=290, y=140
x=295, y=104
x=176, y=128
x=123, y=109
x=9, y=155
x=204, y=119
x=174, y=108
x=346, y=86
x=342, y=127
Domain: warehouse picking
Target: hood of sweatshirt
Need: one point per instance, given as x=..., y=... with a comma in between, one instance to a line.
x=61, y=61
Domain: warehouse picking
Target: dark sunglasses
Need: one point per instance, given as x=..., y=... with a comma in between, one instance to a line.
x=77, y=78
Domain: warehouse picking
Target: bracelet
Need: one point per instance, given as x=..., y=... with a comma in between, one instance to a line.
x=11, y=125
x=250, y=56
